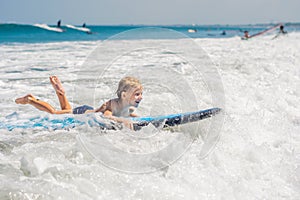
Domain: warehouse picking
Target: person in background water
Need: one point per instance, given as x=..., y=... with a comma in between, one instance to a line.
x=129, y=94
x=281, y=30
x=246, y=35
x=84, y=26
x=58, y=23
x=223, y=33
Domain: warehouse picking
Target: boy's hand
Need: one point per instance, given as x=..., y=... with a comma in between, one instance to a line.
x=128, y=123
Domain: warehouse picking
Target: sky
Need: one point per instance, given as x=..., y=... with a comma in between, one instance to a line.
x=149, y=12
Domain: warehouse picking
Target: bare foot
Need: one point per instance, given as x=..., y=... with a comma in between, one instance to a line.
x=25, y=99
x=57, y=85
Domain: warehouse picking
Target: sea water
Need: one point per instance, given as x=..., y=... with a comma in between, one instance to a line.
x=32, y=33
x=254, y=154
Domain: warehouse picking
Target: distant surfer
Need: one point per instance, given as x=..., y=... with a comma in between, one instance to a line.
x=88, y=30
x=129, y=94
x=281, y=32
x=223, y=33
x=58, y=23
x=246, y=35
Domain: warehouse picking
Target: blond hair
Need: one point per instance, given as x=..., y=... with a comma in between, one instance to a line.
x=127, y=83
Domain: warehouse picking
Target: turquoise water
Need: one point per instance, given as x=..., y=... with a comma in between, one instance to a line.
x=27, y=33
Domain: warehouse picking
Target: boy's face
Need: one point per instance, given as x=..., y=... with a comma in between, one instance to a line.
x=134, y=96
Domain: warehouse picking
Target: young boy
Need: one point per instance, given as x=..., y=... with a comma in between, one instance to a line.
x=129, y=93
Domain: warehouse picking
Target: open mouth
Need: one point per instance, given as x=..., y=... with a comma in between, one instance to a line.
x=137, y=103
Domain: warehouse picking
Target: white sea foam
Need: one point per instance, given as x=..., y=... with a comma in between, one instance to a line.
x=257, y=155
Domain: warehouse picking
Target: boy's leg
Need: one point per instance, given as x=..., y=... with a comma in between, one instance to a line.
x=60, y=92
x=41, y=105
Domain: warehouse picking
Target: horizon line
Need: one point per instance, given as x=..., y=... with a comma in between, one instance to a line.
x=187, y=24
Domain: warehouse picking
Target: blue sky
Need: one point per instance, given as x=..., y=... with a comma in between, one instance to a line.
x=160, y=12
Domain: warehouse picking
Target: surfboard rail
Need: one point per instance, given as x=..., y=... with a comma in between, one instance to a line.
x=174, y=119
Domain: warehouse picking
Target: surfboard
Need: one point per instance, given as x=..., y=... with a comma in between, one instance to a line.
x=84, y=29
x=262, y=32
x=46, y=27
x=59, y=122
x=192, y=30
x=174, y=119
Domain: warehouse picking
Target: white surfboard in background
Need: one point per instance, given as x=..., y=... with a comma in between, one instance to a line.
x=45, y=26
x=84, y=29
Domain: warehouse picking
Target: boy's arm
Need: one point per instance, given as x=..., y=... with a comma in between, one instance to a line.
x=106, y=107
x=133, y=115
x=126, y=122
